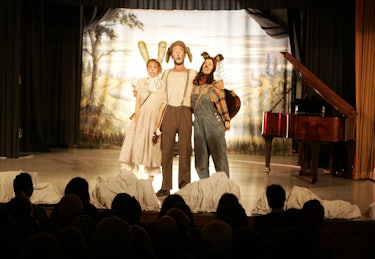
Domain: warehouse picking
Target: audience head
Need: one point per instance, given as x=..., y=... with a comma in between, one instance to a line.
x=69, y=207
x=164, y=236
x=231, y=211
x=168, y=203
x=127, y=207
x=316, y=209
x=112, y=238
x=72, y=242
x=23, y=185
x=276, y=196
x=217, y=239
x=80, y=187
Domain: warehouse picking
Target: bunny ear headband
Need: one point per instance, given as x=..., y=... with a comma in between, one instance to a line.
x=181, y=44
x=217, y=58
x=144, y=52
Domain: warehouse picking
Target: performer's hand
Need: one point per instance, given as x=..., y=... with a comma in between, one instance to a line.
x=227, y=125
x=219, y=84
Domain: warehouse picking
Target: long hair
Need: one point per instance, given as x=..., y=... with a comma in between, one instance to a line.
x=210, y=77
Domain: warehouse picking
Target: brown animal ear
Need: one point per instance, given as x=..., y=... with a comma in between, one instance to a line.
x=219, y=58
x=168, y=54
x=190, y=56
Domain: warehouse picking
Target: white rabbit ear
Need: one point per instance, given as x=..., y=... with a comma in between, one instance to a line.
x=161, y=51
x=143, y=49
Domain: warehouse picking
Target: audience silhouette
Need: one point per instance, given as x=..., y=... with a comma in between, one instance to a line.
x=23, y=186
x=230, y=210
x=276, y=198
x=80, y=187
x=119, y=232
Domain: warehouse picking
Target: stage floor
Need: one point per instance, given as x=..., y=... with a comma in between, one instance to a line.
x=61, y=165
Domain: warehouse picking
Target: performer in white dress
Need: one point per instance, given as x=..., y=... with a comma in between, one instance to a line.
x=141, y=144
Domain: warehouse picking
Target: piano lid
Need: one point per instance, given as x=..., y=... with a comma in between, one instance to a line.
x=321, y=88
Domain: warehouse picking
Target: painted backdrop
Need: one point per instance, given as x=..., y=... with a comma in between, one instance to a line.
x=253, y=67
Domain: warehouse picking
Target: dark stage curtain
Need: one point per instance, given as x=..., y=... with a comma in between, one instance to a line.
x=46, y=105
x=10, y=56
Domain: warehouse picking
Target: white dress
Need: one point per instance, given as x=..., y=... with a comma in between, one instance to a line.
x=138, y=148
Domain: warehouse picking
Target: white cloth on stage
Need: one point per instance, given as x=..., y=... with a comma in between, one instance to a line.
x=335, y=209
x=107, y=188
x=204, y=195
x=44, y=192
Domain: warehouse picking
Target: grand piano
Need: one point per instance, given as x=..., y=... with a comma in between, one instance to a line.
x=311, y=130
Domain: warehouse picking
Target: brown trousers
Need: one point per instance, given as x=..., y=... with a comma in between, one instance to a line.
x=177, y=120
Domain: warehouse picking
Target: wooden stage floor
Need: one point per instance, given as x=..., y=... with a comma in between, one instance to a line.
x=60, y=165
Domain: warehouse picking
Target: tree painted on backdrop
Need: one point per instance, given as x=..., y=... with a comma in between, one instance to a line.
x=96, y=36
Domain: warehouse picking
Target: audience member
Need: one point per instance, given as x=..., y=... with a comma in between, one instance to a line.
x=324, y=235
x=276, y=198
x=185, y=231
x=127, y=207
x=65, y=212
x=142, y=247
x=72, y=243
x=230, y=210
x=217, y=238
x=80, y=187
x=164, y=237
x=23, y=186
x=19, y=206
x=168, y=203
x=112, y=238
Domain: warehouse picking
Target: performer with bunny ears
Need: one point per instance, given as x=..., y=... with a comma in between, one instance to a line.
x=141, y=145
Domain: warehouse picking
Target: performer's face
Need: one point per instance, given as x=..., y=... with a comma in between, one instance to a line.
x=178, y=55
x=153, y=68
x=208, y=66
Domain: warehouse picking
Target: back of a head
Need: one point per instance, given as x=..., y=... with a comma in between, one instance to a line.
x=231, y=211
x=23, y=184
x=164, y=233
x=78, y=186
x=127, y=207
x=276, y=196
x=168, y=203
x=317, y=210
x=182, y=220
x=217, y=235
x=112, y=238
x=69, y=207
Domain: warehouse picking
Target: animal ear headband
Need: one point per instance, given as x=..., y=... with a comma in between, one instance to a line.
x=144, y=52
x=217, y=58
x=181, y=44
x=219, y=65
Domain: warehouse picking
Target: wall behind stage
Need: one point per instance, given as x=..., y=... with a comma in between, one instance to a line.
x=253, y=67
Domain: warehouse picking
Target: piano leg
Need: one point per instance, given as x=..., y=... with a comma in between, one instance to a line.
x=268, y=139
x=310, y=159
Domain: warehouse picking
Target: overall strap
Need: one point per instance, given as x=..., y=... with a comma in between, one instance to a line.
x=186, y=85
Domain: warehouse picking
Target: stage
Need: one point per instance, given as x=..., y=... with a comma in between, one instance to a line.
x=247, y=171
